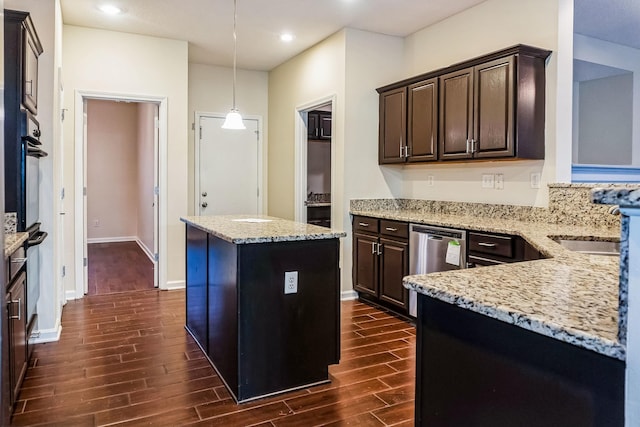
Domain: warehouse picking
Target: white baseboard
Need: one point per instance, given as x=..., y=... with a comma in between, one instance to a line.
x=47, y=335
x=146, y=250
x=348, y=295
x=174, y=284
x=112, y=239
x=70, y=295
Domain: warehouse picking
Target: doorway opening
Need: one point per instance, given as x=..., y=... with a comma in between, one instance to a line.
x=315, y=163
x=119, y=146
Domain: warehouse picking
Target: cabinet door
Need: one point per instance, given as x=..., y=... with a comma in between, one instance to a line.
x=494, y=100
x=196, y=285
x=324, y=126
x=17, y=306
x=313, y=119
x=422, y=126
x=394, y=265
x=393, y=126
x=365, y=264
x=30, y=76
x=456, y=114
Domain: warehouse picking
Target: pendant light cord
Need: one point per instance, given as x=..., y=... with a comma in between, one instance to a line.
x=235, y=49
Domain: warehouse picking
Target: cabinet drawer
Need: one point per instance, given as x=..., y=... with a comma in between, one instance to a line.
x=394, y=228
x=491, y=244
x=366, y=224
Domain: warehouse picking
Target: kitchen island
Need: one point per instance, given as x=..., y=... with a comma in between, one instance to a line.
x=533, y=343
x=262, y=301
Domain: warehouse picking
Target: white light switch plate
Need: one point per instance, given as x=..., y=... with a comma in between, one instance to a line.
x=498, y=180
x=290, y=282
x=487, y=180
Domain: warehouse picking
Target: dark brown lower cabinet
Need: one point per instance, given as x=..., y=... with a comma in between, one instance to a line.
x=260, y=338
x=473, y=370
x=380, y=261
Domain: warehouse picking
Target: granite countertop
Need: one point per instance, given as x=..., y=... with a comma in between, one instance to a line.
x=624, y=197
x=12, y=241
x=569, y=296
x=242, y=229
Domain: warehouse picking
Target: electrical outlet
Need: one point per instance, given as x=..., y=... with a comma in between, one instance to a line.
x=96, y=223
x=535, y=179
x=487, y=180
x=498, y=180
x=290, y=282
x=429, y=180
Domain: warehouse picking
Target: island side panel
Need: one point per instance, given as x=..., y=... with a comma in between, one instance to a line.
x=288, y=340
x=223, y=310
x=196, y=286
x=475, y=370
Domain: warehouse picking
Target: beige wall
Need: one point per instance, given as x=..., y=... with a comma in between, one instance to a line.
x=145, y=173
x=210, y=91
x=112, y=163
x=490, y=26
x=118, y=63
x=313, y=75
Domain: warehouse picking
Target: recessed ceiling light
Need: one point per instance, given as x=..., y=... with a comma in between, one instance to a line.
x=110, y=9
x=286, y=37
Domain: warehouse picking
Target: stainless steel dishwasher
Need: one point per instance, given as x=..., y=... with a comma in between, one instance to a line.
x=433, y=249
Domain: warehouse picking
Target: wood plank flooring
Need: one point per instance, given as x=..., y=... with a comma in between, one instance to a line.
x=126, y=359
x=118, y=267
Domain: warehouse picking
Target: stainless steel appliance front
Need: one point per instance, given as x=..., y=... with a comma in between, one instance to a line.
x=433, y=249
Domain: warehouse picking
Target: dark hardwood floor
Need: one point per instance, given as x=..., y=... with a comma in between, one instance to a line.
x=126, y=359
x=118, y=267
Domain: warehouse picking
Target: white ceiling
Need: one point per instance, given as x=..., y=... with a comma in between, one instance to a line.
x=616, y=21
x=207, y=24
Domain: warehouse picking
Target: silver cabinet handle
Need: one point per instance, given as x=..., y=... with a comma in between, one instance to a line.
x=401, y=150
x=391, y=229
x=468, y=146
x=19, y=302
x=204, y=204
x=474, y=144
x=363, y=224
x=487, y=245
x=407, y=151
x=373, y=248
x=30, y=83
x=379, y=251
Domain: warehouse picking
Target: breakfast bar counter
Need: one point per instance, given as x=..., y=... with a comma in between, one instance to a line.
x=262, y=301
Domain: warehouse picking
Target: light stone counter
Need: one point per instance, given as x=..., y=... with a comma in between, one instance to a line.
x=243, y=229
x=570, y=296
x=13, y=241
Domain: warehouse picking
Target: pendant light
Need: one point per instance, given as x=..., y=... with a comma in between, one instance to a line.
x=234, y=119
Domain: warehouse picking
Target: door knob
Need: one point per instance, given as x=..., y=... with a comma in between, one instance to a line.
x=204, y=194
x=204, y=204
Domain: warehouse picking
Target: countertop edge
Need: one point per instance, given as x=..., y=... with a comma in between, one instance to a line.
x=13, y=241
x=290, y=237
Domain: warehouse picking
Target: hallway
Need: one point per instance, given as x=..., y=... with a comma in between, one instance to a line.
x=118, y=267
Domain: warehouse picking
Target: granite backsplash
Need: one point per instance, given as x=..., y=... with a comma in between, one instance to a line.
x=569, y=204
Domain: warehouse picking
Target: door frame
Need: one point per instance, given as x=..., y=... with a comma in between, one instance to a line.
x=80, y=149
x=300, y=156
x=262, y=199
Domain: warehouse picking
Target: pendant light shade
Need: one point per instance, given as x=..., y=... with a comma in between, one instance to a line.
x=234, y=119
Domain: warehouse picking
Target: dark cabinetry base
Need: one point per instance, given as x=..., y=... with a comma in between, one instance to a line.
x=476, y=371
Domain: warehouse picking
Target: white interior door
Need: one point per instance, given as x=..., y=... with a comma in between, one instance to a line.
x=156, y=195
x=228, y=168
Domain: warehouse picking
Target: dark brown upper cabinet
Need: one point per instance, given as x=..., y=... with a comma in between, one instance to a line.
x=476, y=111
x=422, y=121
x=393, y=126
x=319, y=125
x=490, y=107
x=22, y=49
